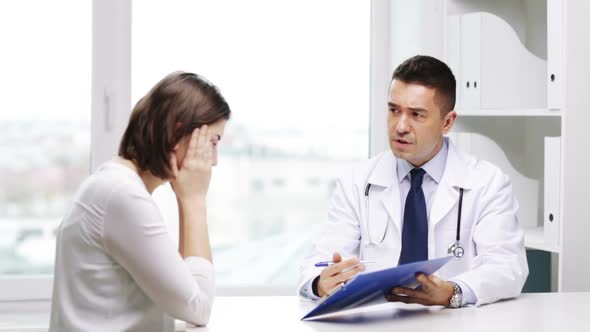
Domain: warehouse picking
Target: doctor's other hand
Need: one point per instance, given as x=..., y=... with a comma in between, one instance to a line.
x=340, y=272
x=191, y=163
x=433, y=291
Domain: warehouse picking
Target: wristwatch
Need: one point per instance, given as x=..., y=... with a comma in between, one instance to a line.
x=457, y=298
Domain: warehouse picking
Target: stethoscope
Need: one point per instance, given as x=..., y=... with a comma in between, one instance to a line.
x=455, y=249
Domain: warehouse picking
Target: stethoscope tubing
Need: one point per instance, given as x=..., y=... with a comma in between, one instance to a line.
x=458, y=237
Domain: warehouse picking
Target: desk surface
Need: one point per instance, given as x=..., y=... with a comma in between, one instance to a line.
x=530, y=312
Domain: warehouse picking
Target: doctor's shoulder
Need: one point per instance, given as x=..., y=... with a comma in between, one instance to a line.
x=354, y=176
x=361, y=171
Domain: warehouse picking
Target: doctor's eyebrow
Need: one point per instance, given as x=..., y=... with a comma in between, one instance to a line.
x=415, y=109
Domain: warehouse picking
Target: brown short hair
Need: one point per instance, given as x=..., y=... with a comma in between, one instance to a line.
x=433, y=73
x=172, y=109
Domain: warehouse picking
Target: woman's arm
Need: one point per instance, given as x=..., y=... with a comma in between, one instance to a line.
x=193, y=230
x=190, y=183
x=135, y=235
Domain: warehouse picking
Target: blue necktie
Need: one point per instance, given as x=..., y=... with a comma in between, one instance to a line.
x=415, y=228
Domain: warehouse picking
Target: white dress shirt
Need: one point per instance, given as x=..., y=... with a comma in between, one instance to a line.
x=116, y=267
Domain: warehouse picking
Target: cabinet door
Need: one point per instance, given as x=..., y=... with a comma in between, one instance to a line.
x=453, y=55
x=471, y=61
x=555, y=37
x=552, y=169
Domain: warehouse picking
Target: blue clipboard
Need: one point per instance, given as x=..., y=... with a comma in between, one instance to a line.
x=370, y=288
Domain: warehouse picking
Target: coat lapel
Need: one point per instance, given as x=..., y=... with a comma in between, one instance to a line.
x=385, y=176
x=456, y=176
x=391, y=200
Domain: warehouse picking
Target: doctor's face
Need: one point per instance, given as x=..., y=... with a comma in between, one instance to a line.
x=415, y=123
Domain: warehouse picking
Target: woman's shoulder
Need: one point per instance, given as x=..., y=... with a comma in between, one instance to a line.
x=111, y=182
x=120, y=178
x=127, y=202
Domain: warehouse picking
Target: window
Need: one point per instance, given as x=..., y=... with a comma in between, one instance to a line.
x=296, y=75
x=44, y=125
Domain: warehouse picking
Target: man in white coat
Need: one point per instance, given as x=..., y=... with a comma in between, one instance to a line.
x=403, y=206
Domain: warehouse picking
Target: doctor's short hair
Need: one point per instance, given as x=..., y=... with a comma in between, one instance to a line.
x=172, y=109
x=433, y=73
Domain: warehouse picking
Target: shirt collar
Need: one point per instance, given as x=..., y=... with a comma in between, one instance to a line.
x=435, y=167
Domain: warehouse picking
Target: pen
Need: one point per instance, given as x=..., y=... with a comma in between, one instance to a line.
x=329, y=263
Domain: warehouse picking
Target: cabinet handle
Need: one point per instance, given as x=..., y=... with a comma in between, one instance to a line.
x=552, y=77
x=550, y=216
x=467, y=84
x=474, y=84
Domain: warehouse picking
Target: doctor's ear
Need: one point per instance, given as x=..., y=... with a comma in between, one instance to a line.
x=448, y=121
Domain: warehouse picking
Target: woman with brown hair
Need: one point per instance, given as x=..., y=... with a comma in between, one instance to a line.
x=116, y=267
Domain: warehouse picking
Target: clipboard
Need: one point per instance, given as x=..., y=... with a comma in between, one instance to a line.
x=370, y=288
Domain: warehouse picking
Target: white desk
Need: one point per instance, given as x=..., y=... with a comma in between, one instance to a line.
x=530, y=312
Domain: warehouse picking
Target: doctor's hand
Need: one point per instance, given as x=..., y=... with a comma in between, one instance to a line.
x=433, y=291
x=340, y=272
x=191, y=175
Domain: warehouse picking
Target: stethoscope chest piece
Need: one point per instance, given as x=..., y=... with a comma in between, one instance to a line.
x=456, y=250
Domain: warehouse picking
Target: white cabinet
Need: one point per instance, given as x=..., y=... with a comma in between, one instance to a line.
x=529, y=114
x=508, y=59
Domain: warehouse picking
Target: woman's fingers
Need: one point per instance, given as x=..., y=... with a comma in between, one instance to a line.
x=192, y=145
x=201, y=141
x=205, y=146
x=200, y=148
x=208, y=151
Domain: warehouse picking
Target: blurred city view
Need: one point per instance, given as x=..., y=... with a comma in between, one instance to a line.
x=266, y=201
x=42, y=164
